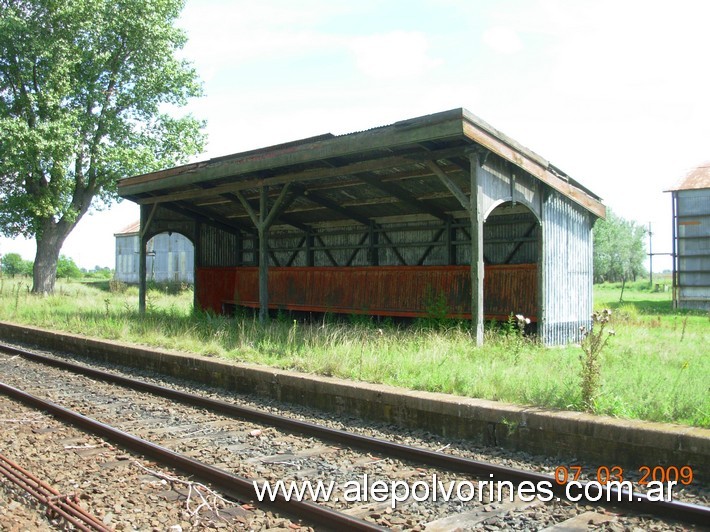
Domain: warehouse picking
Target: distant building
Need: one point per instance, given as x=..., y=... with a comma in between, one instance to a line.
x=169, y=257
x=691, y=240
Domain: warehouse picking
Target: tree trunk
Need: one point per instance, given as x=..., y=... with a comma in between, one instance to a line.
x=49, y=244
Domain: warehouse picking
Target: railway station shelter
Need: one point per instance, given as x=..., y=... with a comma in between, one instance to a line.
x=436, y=215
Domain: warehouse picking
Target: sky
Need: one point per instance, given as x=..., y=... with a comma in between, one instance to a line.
x=614, y=93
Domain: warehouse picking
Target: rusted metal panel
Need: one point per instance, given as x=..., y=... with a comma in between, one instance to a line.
x=386, y=291
x=697, y=178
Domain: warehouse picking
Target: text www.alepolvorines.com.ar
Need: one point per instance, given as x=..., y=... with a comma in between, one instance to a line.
x=396, y=491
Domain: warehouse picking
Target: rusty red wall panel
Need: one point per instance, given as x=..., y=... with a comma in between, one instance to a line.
x=383, y=290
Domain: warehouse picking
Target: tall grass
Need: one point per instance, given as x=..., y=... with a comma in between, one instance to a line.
x=655, y=368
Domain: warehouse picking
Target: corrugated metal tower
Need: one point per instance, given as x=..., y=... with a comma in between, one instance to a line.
x=691, y=240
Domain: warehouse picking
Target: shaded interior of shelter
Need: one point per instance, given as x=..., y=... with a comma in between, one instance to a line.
x=405, y=269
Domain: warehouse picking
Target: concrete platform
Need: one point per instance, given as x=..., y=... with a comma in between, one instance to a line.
x=568, y=435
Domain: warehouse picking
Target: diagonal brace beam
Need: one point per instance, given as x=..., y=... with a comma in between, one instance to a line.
x=449, y=184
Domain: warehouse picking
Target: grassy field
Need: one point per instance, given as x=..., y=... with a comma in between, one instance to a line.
x=656, y=366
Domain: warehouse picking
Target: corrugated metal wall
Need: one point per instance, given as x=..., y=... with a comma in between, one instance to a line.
x=170, y=258
x=566, y=269
x=496, y=176
x=127, y=258
x=693, y=248
x=222, y=248
x=412, y=243
x=511, y=239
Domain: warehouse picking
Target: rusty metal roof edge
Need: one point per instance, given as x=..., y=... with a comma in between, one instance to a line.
x=479, y=122
x=131, y=229
x=696, y=179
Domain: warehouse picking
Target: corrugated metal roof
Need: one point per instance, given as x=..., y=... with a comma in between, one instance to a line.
x=697, y=178
x=132, y=228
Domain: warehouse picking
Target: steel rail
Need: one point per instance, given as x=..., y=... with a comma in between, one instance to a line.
x=687, y=512
x=64, y=506
x=232, y=485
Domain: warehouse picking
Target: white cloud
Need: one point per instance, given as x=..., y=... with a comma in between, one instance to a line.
x=225, y=35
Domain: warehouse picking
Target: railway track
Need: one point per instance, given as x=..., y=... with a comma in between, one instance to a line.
x=228, y=446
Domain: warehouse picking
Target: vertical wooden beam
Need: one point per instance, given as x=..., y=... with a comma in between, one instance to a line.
x=263, y=257
x=299, y=248
x=374, y=250
x=476, y=214
x=310, y=254
x=142, y=244
x=197, y=263
x=450, y=238
x=240, y=249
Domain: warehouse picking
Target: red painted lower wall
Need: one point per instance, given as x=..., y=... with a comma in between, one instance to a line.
x=377, y=290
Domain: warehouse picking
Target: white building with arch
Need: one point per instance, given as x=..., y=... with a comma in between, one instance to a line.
x=169, y=258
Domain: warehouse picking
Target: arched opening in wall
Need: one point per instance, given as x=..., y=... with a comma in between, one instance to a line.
x=170, y=258
x=511, y=255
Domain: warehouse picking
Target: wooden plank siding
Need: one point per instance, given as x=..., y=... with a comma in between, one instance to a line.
x=407, y=291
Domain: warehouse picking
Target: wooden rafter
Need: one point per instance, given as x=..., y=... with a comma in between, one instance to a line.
x=403, y=195
x=451, y=186
x=205, y=215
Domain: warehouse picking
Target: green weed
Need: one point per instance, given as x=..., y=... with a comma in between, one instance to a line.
x=647, y=372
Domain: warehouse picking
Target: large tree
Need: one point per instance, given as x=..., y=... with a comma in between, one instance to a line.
x=619, y=249
x=88, y=94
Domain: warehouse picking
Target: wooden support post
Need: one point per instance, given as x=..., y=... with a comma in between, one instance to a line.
x=142, y=244
x=450, y=238
x=197, y=263
x=476, y=215
x=373, y=251
x=310, y=255
x=263, y=257
x=240, y=249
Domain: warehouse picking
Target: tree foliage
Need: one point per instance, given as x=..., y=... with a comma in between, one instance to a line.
x=619, y=249
x=13, y=264
x=84, y=90
x=67, y=268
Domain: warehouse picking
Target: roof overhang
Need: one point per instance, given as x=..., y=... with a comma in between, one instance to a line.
x=368, y=175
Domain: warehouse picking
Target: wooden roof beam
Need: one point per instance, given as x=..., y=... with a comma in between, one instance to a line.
x=311, y=174
x=404, y=196
x=195, y=214
x=333, y=206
